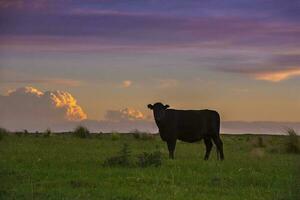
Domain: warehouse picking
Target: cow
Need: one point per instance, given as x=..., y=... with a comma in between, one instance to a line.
x=188, y=126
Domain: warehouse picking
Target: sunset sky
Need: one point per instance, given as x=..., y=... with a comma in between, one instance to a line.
x=240, y=57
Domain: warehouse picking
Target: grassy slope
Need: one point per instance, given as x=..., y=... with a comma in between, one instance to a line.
x=64, y=167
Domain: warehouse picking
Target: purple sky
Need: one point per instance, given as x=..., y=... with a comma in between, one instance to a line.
x=240, y=57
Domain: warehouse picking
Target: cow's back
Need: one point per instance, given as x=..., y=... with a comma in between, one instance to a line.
x=193, y=125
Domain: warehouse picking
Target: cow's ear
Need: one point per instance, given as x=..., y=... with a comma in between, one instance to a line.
x=167, y=106
x=150, y=106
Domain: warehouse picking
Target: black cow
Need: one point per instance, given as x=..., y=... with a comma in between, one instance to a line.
x=188, y=126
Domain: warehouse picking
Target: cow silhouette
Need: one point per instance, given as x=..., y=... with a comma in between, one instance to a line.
x=188, y=126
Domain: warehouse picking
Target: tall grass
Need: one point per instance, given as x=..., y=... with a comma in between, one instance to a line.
x=47, y=132
x=81, y=132
x=150, y=159
x=125, y=159
x=141, y=135
x=3, y=132
x=25, y=132
x=121, y=159
x=54, y=168
x=292, y=143
x=115, y=136
x=258, y=142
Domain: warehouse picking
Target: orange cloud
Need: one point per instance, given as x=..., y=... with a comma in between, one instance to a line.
x=29, y=107
x=127, y=114
x=66, y=100
x=126, y=83
x=133, y=114
x=25, y=91
x=278, y=75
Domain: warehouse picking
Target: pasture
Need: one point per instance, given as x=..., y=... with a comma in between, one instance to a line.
x=62, y=166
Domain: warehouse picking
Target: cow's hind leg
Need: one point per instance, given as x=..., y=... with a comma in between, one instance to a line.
x=171, y=148
x=208, y=145
x=217, y=140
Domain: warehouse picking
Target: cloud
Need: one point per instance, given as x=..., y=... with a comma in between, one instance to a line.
x=127, y=114
x=269, y=74
x=126, y=84
x=148, y=27
x=29, y=107
x=11, y=3
x=25, y=5
x=66, y=82
x=278, y=75
x=33, y=5
x=104, y=12
x=66, y=101
x=274, y=68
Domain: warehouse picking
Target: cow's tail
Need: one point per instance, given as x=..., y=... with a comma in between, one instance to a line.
x=217, y=132
x=218, y=120
x=219, y=144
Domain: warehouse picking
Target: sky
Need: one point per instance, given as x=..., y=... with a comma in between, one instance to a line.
x=105, y=60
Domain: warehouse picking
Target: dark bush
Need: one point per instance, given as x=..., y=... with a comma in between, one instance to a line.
x=19, y=133
x=99, y=135
x=275, y=150
x=141, y=135
x=247, y=138
x=147, y=136
x=260, y=142
x=3, y=132
x=81, y=184
x=150, y=159
x=25, y=132
x=292, y=143
x=36, y=134
x=115, y=136
x=81, y=132
x=122, y=159
x=47, y=132
x=136, y=135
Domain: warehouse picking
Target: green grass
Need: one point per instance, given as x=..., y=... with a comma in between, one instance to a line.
x=66, y=167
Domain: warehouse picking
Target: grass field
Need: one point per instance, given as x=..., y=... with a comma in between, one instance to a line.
x=66, y=167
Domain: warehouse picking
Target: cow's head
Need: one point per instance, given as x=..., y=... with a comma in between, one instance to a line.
x=159, y=110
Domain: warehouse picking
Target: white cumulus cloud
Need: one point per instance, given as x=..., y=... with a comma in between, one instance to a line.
x=26, y=107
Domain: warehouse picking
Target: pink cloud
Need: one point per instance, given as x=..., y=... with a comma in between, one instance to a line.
x=277, y=75
x=57, y=81
x=11, y=3
x=95, y=11
x=24, y=4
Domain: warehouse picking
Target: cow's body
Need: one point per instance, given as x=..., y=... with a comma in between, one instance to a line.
x=188, y=126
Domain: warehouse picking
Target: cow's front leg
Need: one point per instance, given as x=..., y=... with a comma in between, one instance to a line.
x=171, y=148
x=208, y=145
